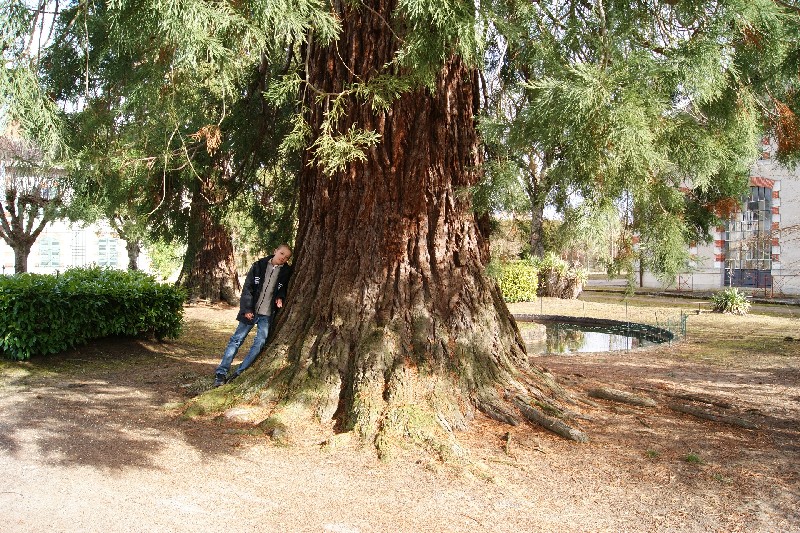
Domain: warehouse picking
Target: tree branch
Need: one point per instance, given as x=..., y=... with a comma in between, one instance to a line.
x=787, y=5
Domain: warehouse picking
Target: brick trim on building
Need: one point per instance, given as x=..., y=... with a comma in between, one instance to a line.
x=757, y=181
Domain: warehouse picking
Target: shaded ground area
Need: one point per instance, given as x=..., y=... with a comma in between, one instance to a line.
x=93, y=440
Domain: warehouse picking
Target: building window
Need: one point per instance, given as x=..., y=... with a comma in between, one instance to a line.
x=78, y=248
x=49, y=252
x=107, y=252
x=748, y=242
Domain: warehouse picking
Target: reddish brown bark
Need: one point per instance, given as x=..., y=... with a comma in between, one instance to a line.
x=209, y=270
x=389, y=305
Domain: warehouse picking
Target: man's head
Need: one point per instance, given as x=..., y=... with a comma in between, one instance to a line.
x=282, y=254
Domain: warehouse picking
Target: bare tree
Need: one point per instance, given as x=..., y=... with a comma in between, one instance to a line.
x=31, y=196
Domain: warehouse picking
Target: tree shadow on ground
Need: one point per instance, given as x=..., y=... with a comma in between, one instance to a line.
x=112, y=404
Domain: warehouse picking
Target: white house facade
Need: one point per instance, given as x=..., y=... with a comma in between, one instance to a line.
x=758, y=249
x=63, y=245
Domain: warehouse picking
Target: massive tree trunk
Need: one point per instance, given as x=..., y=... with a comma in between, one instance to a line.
x=392, y=327
x=209, y=267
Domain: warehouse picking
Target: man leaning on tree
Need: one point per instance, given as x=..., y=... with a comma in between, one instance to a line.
x=262, y=295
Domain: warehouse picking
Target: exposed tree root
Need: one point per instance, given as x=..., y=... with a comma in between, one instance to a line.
x=403, y=409
x=708, y=415
x=548, y=422
x=621, y=396
x=695, y=398
x=496, y=411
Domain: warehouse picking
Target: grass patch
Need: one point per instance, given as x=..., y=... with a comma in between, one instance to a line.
x=713, y=338
x=694, y=459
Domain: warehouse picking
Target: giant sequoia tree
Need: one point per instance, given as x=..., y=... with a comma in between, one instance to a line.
x=392, y=326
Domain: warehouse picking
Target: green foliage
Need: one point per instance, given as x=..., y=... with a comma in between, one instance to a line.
x=517, y=280
x=21, y=96
x=551, y=261
x=45, y=314
x=632, y=104
x=167, y=105
x=165, y=257
x=501, y=190
x=334, y=152
x=435, y=30
x=588, y=234
x=559, y=279
x=730, y=300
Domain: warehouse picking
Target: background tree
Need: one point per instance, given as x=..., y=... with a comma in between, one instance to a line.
x=652, y=107
x=170, y=127
x=31, y=143
x=31, y=196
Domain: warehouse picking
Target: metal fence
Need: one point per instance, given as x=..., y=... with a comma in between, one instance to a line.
x=665, y=324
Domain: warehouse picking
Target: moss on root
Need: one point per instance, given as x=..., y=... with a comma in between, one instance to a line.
x=420, y=410
x=213, y=401
x=410, y=424
x=276, y=428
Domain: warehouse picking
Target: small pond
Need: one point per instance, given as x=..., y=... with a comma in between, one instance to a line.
x=570, y=335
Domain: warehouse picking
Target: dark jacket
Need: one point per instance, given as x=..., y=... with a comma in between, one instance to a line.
x=254, y=283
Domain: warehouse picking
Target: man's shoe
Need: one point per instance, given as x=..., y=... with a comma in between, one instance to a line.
x=219, y=380
x=233, y=376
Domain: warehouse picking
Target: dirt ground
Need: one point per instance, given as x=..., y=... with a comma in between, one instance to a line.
x=92, y=440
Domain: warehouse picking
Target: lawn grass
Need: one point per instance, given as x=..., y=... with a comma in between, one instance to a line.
x=764, y=338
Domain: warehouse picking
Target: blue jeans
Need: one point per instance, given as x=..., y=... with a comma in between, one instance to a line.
x=262, y=321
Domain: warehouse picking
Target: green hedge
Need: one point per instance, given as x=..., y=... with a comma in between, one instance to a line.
x=43, y=314
x=517, y=280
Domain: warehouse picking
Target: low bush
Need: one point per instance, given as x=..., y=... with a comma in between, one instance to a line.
x=517, y=280
x=45, y=314
x=730, y=300
x=557, y=278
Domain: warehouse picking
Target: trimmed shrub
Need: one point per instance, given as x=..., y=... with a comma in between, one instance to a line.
x=45, y=314
x=517, y=280
x=730, y=300
x=558, y=279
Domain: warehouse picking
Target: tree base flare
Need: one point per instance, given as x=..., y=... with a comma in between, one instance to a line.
x=396, y=412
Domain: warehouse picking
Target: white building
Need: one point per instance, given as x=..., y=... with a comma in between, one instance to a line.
x=62, y=245
x=759, y=247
